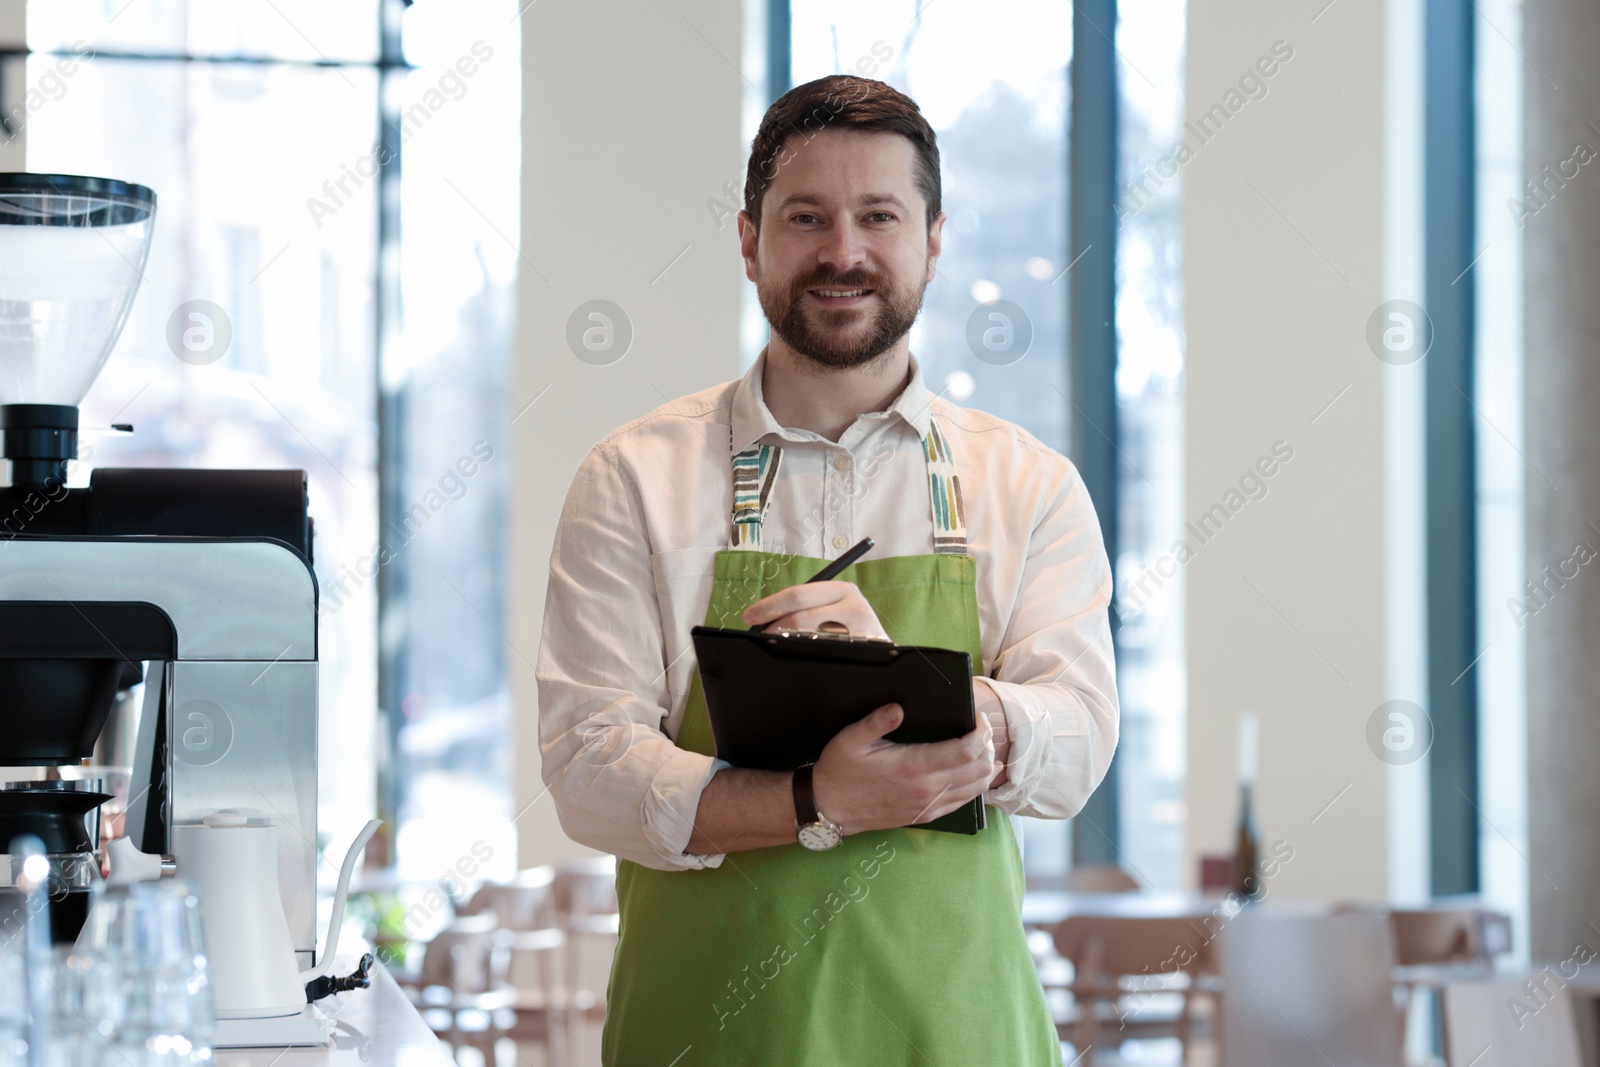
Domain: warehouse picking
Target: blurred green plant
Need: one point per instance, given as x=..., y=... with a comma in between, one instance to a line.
x=382, y=916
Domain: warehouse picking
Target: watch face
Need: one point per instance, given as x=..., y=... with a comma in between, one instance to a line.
x=819, y=836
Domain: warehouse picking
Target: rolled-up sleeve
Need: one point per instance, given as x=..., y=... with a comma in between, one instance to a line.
x=1055, y=676
x=619, y=782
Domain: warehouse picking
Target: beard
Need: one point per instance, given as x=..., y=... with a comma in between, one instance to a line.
x=840, y=338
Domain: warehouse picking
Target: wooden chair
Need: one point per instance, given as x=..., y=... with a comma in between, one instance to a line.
x=1132, y=978
x=1100, y=878
x=1433, y=945
x=461, y=989
x=1309, y=989
x=527, y=902
x=530, y=926
x=585, y=894
x=1482, y=1029
x=1424, y=936
x=1458, y=933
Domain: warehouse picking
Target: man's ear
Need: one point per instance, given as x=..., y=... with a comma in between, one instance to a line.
x=935, y=246
x=749, y=237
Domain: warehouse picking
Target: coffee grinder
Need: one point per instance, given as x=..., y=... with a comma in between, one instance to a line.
x=195, y=584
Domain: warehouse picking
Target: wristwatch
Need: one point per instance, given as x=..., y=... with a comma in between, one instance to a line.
x=815, y=830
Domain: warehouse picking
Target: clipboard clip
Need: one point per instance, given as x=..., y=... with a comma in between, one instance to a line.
x=824, y=635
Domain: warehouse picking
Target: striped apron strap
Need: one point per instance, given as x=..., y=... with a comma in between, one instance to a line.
x=756, y=468
x=754, y=471
x=944, y=486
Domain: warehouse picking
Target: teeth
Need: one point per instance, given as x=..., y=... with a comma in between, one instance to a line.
x=841, y=292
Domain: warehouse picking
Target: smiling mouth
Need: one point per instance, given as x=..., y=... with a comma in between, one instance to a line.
x=840, y=296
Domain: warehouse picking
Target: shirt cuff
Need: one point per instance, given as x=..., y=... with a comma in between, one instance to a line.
x=1028, y=726
x=671, y=804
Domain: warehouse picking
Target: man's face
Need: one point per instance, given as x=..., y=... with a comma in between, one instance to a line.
x=843, y=215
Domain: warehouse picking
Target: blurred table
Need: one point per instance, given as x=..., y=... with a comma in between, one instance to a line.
x=1046, y=907
x=1043, y=909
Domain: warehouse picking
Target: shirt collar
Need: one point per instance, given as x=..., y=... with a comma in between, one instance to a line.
x=753, y=420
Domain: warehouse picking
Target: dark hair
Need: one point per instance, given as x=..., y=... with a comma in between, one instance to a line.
x=840, y=102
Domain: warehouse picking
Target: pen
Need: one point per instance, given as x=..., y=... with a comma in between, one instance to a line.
x=831, y=571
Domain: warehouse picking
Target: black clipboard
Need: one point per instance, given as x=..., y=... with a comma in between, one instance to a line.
x=775, y=699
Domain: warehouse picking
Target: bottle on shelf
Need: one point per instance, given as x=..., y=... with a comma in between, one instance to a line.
x=1246, y=852
x=1247, y=849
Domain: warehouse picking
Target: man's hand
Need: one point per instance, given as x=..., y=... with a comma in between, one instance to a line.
x=864, y=782
x=806, y=606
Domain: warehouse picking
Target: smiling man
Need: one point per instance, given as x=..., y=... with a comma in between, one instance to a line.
x=802, y=917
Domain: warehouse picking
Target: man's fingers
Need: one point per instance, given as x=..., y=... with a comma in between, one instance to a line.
x=856, y=617
x=943, y=757
x=930, y=757
x=881, y=721
x=881, y=784
x=797, y=598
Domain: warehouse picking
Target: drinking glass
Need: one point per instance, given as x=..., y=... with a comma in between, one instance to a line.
x=13, y=989
x=84, y=995
x=149, y=935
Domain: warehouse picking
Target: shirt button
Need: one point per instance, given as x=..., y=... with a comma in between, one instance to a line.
x=840, y=540
x=842, y=463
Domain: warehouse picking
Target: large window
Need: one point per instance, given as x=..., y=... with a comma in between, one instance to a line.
x=992, y=80
x=335, y=182
x=1502, y=565
x=1149, y=378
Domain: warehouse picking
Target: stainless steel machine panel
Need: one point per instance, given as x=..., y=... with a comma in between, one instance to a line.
x=227, y=599
x=244, y=737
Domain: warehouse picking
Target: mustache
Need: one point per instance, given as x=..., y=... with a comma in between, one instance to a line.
x=848, y=281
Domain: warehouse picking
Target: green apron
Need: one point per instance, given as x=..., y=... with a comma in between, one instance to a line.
x=899, y=946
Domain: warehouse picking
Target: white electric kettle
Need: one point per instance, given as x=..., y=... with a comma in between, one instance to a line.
x=232, y=861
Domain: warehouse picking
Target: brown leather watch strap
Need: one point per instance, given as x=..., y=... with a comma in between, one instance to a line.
x=805, y=800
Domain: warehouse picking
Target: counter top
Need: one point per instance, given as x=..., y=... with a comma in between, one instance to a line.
x=377, y=1027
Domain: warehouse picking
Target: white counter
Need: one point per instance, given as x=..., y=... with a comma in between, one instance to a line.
x=376, y=1027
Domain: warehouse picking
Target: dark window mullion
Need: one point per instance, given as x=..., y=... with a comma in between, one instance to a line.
x=1450, y=198
x=780, y=49
x=1093, y=150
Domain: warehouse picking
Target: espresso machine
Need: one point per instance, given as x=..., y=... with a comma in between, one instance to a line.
x=195, y=585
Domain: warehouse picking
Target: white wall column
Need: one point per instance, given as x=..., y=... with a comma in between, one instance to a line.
x=1286, y=257
x=631, y=124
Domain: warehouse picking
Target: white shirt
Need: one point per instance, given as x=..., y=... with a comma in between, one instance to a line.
x=631, y=572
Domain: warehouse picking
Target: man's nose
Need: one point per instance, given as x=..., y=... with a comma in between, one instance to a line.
x=844, y=248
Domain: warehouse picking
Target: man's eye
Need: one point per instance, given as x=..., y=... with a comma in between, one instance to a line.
x=802, y=217
x=882, y=215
